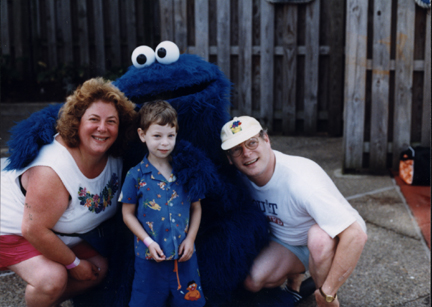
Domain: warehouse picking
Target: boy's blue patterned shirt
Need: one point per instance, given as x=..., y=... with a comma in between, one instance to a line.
x=163, y=208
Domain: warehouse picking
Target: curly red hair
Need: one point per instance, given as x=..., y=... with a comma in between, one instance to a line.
x=96, y=89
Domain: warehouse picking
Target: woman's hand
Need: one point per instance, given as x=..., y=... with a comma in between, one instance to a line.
x=186, y=250
x=156, y=252
x=85, y=271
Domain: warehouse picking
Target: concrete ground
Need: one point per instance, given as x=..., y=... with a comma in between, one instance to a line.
x=394, y=269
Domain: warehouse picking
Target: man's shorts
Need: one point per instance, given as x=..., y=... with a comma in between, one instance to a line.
x=156, y=283
x=302, y=251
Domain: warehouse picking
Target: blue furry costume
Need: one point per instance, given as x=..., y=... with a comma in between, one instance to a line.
x=232, y=231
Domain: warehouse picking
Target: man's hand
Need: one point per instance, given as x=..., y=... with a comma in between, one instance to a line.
x=186, y=250
x=321, y=302
x=85, y=271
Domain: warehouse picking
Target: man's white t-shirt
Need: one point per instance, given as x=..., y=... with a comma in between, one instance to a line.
x=299, y=195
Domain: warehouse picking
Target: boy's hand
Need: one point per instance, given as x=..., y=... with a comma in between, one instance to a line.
x=186, y=250
x=156, y=252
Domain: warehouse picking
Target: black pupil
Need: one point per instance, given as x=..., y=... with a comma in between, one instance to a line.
x=141, y=59
x=161, y=52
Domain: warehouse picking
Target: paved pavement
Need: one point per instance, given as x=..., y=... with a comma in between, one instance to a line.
x=394, y=269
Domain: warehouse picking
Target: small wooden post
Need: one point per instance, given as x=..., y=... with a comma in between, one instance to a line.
x=403, y=77
x=114, y=30
x=426, y=116
x=266, y=63
x=224, y=38
x=311, y=67
x=65, y=28
x=355, y=83
x=5, y=38
x=202, y=29
x=380, y=85
x=51, y=34
x=180, y=25
x=166, y=19
x=83, y=32
x=290, y=69
x=99, y=36
x=245, y=57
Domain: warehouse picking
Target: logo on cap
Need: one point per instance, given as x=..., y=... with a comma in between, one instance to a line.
x=235, y=127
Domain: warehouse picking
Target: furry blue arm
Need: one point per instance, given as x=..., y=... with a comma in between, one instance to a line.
x=29, y=135
x=194, y=170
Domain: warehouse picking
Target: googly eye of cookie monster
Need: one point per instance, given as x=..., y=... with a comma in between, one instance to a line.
x=167, y=52
x=143, y=56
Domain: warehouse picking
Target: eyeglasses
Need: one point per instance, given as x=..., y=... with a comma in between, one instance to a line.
x=251, y=144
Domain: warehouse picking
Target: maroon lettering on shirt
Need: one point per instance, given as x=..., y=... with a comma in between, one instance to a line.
x=274, y=219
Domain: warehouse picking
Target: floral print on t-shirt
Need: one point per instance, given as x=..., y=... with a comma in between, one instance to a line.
x=98, y=202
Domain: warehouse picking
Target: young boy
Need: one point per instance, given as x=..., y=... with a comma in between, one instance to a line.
x=163, y=218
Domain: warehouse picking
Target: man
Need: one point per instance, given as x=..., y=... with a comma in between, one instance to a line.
x=312, y=226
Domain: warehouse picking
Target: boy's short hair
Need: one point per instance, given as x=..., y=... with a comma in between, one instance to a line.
x=157, y=112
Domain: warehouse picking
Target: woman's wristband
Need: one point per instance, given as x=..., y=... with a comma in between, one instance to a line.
x=147, y=241
x=73, y=264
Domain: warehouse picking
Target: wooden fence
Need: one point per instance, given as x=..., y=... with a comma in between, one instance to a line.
x=299, y=68
x=387, y=82
x=285, y=60
x=98, y=35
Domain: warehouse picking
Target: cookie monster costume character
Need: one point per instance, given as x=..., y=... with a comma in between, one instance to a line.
x=233, y=230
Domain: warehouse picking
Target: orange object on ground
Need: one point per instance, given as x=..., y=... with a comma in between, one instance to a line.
x=418, y=199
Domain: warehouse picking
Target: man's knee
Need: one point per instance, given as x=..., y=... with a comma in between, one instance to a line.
x=321, y=245
x=252, y=284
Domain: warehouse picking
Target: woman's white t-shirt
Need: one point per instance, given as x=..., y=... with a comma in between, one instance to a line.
x=92, y=202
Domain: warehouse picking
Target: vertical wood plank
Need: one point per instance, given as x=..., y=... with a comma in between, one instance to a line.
x=18, y=44
x=245, y=57
x=51, y=34
x=426, y=112
x=65, y=28
x=290, y=68
x=267, y=63
x=355, y=83
x=166, y=19
x=403, y=77
x=130, y=25
x=114, y=32
x=99, y=36
x=202, y=29
x=311, y=67
x=141, y=19
x=223, y=37
x=34, y=36
x=335, y=15
x=83, y=33
x=180, y=24
x=5, y=37
x=380, y=85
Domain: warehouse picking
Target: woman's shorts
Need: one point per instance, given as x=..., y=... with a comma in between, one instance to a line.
x=15, y=249
x=302, y=251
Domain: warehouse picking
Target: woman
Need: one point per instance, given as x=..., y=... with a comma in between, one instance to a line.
x=69, y=189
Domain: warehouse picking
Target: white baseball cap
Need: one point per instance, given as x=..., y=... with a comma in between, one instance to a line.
x=239, y=130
